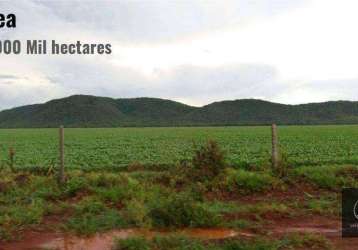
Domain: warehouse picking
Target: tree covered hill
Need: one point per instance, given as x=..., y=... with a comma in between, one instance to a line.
x=92, y=111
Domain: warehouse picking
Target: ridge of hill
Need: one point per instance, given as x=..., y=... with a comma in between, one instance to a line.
x=93, y=111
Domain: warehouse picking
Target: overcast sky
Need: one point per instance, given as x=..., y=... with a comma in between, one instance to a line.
x=193, y=51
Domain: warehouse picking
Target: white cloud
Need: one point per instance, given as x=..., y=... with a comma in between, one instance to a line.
x=194, y=51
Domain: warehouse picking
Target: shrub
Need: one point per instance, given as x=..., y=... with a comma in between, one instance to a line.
x=93, y=216
x=121, y=190
x=75, y=185
x=88, y=223
x=137, y=213
x=15, y=217
x=134, y=243
x=45, y=187
x=247, y=181
x=208, y=161
x=89, y=205
x=25, y=214
x=179, y=210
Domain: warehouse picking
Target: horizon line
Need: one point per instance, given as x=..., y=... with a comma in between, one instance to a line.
x=173, y=100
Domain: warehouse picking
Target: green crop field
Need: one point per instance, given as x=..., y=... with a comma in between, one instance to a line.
x=213, y=190
x=114, y=147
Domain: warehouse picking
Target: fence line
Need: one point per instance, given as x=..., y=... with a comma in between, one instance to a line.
x=275, y=153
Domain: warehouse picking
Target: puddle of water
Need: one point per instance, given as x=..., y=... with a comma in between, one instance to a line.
x=105, y=241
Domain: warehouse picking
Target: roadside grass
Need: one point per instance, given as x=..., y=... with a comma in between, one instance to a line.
x=22, y=201
x=16, y=217
x=246, y=182
x=91, y=216
x=328, y=177
x=241, y=224
x=324, y=205
x=92, y=202
x=177, y=197
x=181, y=210
x=262, y=208
x=220, y=207
x=131, y=244
x=179, y=242
x=305, y=241
x=259, y=207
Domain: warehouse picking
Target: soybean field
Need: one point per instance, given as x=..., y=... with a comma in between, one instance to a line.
x=116, y=147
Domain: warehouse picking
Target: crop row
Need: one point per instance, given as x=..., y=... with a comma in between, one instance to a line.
x=121, y=146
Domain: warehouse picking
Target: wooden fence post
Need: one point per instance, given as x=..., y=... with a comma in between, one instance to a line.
x=275, y=153
x=61, y=173
x=12, y=158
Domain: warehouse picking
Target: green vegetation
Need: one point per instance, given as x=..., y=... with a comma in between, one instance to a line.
x=207, y=186
x=306, y=241
x=91, y=111
x=91, y=216
x=333, y=177
x=246, y=181
x=118, y=147
x=177, y=242
x=93, y=201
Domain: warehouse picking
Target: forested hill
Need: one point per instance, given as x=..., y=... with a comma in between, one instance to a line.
x=92, y=111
